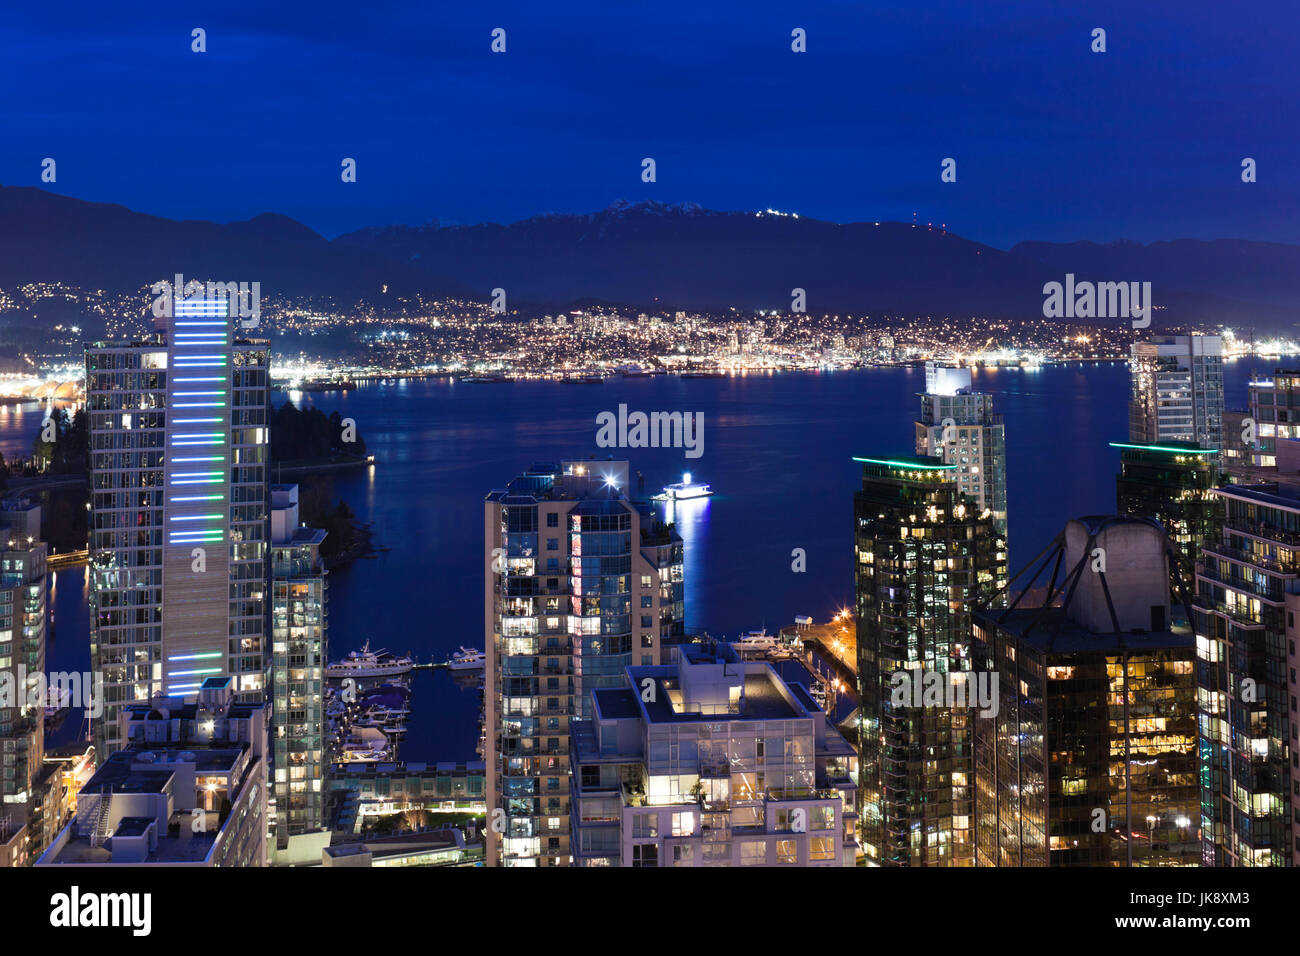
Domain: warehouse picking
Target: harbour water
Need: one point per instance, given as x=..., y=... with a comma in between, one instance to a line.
x=777, y=451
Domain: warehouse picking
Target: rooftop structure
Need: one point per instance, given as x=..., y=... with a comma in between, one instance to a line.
x=1090, y=756
x=190, y=788
x=712, y=761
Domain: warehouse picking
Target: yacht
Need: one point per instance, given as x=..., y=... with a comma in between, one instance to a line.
x=467, y=659
x=368, y=663
x=684, y=490
x=759, y=642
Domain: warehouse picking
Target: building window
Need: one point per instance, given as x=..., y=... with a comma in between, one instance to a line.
x=753, y=853
x=645, y=854
x=821, y=848
x=787, y=852
x=552, y=520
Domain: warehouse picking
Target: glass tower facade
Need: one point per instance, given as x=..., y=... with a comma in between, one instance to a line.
x=299, y=650
x=178, y=539
x=1090, y=758
x=23, y=616
x=1247, y=592
x=958, y=426
x=1177, y=390
x=925, y=555
x=1275, y=408
x=581, y=584
x=1175, y=485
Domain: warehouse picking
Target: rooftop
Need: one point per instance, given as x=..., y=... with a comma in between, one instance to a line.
x=149, y=771
x=1051, y=631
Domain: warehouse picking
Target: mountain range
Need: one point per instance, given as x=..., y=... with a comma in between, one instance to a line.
x=650, y=255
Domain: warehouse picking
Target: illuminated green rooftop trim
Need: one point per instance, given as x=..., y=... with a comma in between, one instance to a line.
x=1173, y=449
x=916, y=465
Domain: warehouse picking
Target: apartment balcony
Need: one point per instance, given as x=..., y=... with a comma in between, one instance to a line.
x=1250, y=558
x=1262, y=531
x=715, y=769
x=1235, y=613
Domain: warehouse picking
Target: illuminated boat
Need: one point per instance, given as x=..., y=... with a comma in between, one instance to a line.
x=467, y=659
x=368, y=663
x=684, y=490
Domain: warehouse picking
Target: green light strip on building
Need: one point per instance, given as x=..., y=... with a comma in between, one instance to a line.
x=1168, y=448
x=909, y=465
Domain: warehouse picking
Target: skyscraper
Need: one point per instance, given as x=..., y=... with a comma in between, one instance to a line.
x=1090, y=758
x=1247, y=598
x=178, y=523
x=1177, y=392
x=23, y=683
x=958, y=426
x=581, y=583
x=925, y=556
x=1174, y=484
x=1275, y=411
x=299, y=650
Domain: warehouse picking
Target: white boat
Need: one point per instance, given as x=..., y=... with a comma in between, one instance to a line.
x=684, y=490
x=756, y=642
x=467, y=659
x=368, y=663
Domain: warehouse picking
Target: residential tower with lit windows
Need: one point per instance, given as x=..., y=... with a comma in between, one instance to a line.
x=24, y=685
x=178, y=539
x=958, y=426
x=580, y=583
x=299, y=649
x=1246, y=603
x=1089, y=757
x=925, y=556
x=1177, y=390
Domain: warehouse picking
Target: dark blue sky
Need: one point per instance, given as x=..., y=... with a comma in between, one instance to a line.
x=1051, y=140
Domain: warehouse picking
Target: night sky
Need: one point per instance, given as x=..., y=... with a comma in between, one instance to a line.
x=1052, y=141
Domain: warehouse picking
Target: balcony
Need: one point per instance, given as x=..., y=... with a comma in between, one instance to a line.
x=1262, y=531
x=1250, y=558
x=1235, y=613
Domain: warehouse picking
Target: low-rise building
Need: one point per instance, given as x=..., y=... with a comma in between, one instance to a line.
x=188, y=789
x=711, y=762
